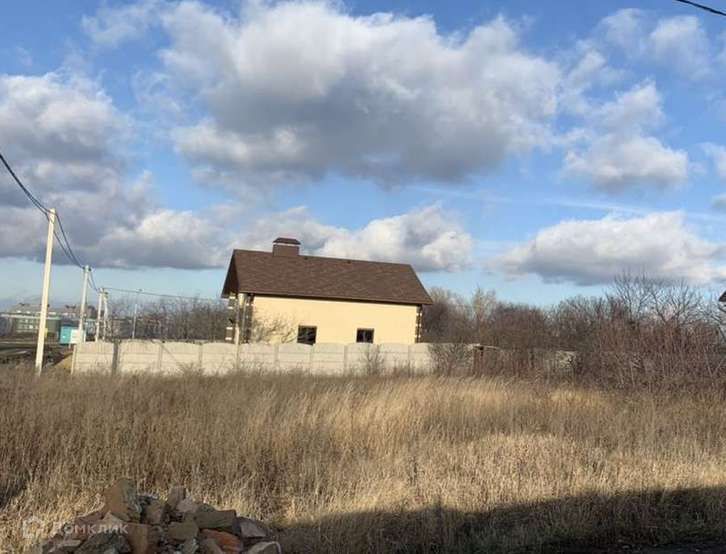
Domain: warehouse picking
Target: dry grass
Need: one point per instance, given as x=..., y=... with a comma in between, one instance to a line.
x=374, y=464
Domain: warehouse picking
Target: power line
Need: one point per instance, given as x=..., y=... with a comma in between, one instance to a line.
x=703, y=7
x=162, y=295
x=63, y=242
x=29, y=194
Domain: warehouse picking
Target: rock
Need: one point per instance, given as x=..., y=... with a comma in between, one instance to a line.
x=176, y=495
x=65, y=545
x=154, y=513
x=187, y=506
x=122, y=500
x=219, y=520
x=109, y=524
x=105, y=543
x=250, y=528
x=229, y=543
x=142, y=538
x=265, y=548
x=83, y=526
x=182, y=531
x=208, y=546
x=190, y=546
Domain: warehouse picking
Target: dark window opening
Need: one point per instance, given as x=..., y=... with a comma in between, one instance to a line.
x=306, y=335
x=364, y=335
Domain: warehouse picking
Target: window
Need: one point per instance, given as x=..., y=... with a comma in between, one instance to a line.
x=306, y=335
x=364, y=335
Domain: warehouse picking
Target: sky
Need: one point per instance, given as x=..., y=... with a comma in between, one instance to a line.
x=538, y=149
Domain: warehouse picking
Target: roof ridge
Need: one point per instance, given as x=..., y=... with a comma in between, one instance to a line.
x=356, y=260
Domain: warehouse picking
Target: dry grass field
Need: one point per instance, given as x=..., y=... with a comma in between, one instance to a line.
x=381, y=464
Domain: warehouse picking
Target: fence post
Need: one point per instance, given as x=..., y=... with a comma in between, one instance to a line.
x=160, y=357
x=115, y=357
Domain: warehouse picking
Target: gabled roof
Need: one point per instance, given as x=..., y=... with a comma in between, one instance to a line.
x=300, y=276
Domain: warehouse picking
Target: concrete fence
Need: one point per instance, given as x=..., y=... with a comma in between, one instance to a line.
x=135, y=356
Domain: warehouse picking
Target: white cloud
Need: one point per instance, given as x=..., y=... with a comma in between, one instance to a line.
x=717, y=153
x=616, y=152
x=65, y=140
x=297, y=90
x=588, y=252
x=66, y=152
x=614, y=163
x=113, y=26
x=428, y=238
x=678, y=43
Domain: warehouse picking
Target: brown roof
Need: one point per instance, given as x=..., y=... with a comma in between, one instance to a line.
x=302, y=276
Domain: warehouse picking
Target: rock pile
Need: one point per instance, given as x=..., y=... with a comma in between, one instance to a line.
x=133, y=523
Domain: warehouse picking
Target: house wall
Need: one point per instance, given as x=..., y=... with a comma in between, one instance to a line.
x=338, y=321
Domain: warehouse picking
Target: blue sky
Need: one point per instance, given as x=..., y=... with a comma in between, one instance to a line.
x=537, y=149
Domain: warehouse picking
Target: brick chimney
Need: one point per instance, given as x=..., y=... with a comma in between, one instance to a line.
x=282, y=246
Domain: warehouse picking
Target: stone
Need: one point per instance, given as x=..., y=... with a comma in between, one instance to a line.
x=110, y=524
x=190, y=546
x=142, y=538
x=268, y=547
x=219, y=520
x=187, y=506
x=209, y=546
x=229, y=543
x=105, y=543
x=122, y=500
x=176, y=495
x=66, y=545
x=204, y=507
x=155, y=512
x=250, y=528
x=182, y=531
x=83, y=526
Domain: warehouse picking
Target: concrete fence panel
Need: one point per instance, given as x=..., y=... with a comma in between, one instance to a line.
x=92, y=356
x=257, y=356
x=420, y=358
x=218, y=357
x=294, y=357
x=137, y=356
x=328, y=359
x=394, y=356
x=179, y=357
x=359, y=357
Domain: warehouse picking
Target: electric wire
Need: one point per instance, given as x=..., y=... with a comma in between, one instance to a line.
x=702, y=7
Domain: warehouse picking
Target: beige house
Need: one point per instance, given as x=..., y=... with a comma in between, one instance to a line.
x=284, y=296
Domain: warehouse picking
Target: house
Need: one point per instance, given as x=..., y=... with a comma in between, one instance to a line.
x=283, y=295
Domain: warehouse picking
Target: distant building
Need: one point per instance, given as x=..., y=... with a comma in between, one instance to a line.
x=22, y=319
x=317, y=299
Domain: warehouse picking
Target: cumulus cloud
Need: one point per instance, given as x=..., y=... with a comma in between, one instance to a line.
x=293, y=91
x=616, y=152
x=428, y=238
x=589, y=252
x=678, y=42
x=65, y=139
x=112, y=26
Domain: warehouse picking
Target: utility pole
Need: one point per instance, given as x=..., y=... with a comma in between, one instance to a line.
x=136, y=311
x=39, y=351
x=82, y=316
x=99, y=310
x=105, y=313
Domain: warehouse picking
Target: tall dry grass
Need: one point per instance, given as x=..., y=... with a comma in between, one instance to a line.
x=374, y=464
